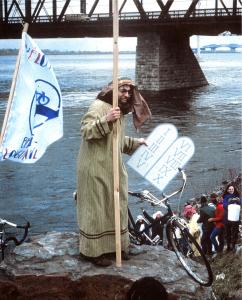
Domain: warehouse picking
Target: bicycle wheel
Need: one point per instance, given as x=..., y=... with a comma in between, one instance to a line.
x=189, y=253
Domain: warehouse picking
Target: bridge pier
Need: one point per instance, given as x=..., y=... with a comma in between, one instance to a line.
x=165, y=61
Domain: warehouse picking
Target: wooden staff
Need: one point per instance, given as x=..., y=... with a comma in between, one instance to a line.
x=116, y=133
x=12, y=89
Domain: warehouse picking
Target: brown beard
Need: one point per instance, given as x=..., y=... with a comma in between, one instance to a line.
x=125, y=107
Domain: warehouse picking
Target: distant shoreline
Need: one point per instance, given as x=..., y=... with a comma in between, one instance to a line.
x=57, y=52
x=7, y=52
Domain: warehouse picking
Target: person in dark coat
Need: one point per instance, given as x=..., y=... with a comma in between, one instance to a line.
x=206, y=212
x=157, y=225
x=141, y=225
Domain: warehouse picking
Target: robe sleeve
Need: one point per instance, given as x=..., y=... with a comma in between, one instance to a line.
x=95, y=126
x=130, y=145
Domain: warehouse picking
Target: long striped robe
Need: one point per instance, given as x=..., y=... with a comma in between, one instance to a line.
x=95, y=201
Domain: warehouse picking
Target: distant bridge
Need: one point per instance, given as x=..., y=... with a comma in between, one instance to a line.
x=215, y=47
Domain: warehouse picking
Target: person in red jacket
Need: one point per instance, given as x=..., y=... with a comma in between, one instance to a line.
x=218, y=230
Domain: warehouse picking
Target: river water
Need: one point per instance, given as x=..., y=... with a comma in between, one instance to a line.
x=210, y=116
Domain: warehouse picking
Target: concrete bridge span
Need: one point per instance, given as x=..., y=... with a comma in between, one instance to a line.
x=160, y=68
x=164, y=59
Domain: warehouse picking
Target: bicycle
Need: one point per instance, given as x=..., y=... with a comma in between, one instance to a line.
x=7, y=236
x=178, y=236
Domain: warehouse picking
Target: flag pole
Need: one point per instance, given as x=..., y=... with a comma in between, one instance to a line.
x=12, y=89
x=116, y=133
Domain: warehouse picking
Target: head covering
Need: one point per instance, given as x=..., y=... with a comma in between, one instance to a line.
x=138, y=105
x=189, y=211
x=139, y=218
x=211, y=204
x=158, y=213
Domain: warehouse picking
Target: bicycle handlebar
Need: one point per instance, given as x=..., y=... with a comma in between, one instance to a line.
x=184, y=179
x=146, y=195
x=13, y=238
x=3, y=222
x=138, y=195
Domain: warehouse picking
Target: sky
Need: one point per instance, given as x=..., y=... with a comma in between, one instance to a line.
x=125, y=44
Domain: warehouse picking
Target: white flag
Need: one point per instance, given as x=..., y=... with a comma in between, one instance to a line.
x=36, y=118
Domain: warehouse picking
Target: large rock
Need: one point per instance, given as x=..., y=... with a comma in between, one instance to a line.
x=49, y=267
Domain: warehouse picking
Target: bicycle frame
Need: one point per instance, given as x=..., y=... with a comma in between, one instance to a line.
x=154, y=201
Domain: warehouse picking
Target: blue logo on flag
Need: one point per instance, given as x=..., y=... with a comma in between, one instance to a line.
x=45, y=104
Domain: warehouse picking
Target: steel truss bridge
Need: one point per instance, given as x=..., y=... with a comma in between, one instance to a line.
x=55, y=18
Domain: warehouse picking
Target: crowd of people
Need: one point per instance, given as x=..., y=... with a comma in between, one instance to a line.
x=211, y=221
x=215, y=221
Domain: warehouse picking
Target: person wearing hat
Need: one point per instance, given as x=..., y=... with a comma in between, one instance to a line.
x=95, y=200
x=141, y=225
x=192, y=216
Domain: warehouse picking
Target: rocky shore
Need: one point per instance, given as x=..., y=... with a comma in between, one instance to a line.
x=49, y=267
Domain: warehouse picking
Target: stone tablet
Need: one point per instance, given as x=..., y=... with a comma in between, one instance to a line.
x=159, y=161
x=158, y=141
